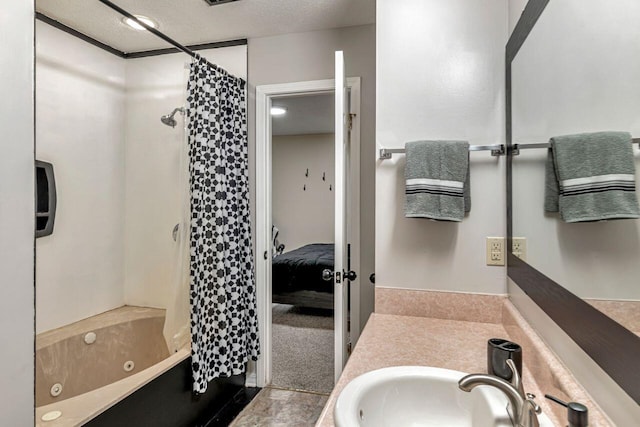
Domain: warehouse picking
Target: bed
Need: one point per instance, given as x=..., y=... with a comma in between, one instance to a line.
x=297, y=276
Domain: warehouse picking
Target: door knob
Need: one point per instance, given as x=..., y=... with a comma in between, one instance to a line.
x=327, y=275
x=349, y=275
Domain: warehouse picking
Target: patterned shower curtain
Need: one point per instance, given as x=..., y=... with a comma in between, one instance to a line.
x=224, y=325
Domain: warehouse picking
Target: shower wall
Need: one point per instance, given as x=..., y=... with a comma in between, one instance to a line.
x=155, y=86
x=80, y=129
x=116, y=169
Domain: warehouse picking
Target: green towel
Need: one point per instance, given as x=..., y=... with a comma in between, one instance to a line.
x=591, y=177
x=437, y=180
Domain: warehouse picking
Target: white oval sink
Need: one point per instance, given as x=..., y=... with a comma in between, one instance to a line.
x=420, y=396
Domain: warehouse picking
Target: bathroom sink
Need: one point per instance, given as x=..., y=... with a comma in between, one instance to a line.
x=420, y=396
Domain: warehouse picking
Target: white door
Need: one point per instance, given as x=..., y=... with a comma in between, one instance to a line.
x=340, y=285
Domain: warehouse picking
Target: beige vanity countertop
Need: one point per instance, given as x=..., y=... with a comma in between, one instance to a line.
x=392, y=340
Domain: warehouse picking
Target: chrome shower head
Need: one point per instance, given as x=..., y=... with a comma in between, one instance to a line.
x=168, y=118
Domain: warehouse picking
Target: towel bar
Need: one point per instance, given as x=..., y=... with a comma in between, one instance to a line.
x=496, y=150
x=518, y=147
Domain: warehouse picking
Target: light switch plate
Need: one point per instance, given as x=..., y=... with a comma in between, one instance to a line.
x=495, y=250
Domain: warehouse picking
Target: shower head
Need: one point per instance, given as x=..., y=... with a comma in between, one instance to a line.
x=168, y=118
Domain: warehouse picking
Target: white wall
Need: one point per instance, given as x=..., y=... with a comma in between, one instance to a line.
x=516, y=7
x=440, y=68
x=303, y=216
x=155, y=86
x=577, y=72
x=16, y=213
x=79, y=128
x=117, y=170
x=310, y=56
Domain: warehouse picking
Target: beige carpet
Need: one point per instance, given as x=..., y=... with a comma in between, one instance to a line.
x=302, y=348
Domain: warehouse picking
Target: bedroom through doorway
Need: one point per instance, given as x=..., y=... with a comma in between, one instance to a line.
x=303, y=207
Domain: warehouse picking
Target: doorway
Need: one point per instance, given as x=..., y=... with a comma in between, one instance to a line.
x=302, y=210
x=311, y=309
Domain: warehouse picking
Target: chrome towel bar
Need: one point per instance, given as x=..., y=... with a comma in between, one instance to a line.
x=496, y=150
x=518, y=147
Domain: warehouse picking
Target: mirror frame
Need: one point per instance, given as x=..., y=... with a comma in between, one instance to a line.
x=612, y=346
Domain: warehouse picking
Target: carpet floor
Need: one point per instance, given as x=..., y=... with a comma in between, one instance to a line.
x=302, y=348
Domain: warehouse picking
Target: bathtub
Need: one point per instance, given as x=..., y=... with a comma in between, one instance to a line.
x=85, y=368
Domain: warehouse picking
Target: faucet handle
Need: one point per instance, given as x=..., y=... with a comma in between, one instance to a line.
x=534, y=405
x=531, y=412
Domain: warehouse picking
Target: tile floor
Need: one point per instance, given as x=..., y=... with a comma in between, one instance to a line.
x=274, y=407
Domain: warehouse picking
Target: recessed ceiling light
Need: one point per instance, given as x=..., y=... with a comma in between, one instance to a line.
x=278, y=111
x=133, y=24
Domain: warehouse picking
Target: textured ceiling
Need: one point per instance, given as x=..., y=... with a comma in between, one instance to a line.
x=307, y=114
x=194, y=21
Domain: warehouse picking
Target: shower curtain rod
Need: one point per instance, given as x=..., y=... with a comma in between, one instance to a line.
x=153, y=31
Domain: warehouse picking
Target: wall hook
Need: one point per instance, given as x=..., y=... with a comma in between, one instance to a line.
x=330, y=188
x=323, y=175
x=304, y=188
x=307, y=173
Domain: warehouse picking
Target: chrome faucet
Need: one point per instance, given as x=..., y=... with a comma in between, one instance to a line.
x=524, y=409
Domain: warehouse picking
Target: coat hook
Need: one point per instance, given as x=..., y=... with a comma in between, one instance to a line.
x=330, y=187
x=323, y=175
x=304, y=188
x=307, y=173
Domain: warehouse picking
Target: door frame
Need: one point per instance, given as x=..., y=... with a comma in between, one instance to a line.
x=264, y=95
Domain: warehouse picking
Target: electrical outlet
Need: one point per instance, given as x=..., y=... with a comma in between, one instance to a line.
x=519, y=247
x=495, y=250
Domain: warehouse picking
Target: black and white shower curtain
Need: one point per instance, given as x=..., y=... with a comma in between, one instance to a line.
x=224, y=325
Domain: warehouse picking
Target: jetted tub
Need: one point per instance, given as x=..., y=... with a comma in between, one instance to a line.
x=88, y=366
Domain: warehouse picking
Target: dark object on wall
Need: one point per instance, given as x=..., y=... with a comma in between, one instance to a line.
x=168, y=401
x=612, y=346
x=46, y=199
x=498, y=352
x=216, y=2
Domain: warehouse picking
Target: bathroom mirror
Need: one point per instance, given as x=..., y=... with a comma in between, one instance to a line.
x=572, y=67
x=578, y=72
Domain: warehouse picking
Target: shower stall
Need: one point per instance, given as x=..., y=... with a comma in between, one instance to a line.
x=112, y=276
